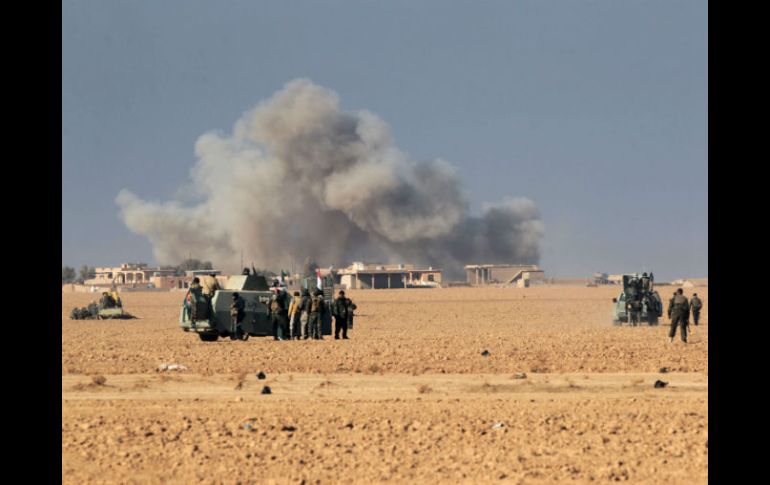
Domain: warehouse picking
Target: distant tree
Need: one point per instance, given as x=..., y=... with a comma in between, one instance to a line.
x=86, y=273
x=67, y=274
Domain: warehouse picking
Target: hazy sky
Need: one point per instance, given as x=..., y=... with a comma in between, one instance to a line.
x=596, y=110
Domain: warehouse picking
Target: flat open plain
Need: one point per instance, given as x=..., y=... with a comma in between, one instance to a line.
x=409, y=399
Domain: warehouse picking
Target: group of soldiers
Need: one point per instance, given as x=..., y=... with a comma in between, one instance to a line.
x=299, y=316
x=679, y=310
x=639, y=294
x=292, y=317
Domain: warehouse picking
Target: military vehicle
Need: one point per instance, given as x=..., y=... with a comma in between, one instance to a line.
x=214, y=315
x=638, y=291
x=108, y=308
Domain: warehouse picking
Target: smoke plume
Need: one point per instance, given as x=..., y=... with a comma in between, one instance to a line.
x=300, y=178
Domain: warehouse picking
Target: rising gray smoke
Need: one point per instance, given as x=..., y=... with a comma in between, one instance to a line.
x=299, y=178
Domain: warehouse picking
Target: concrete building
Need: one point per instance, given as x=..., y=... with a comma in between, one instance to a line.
x=378, y=276
x=505, y=274
x=126, y=274
x=691, y=282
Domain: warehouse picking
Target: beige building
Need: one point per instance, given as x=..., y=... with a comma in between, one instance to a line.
x=691, y=282
x=127, y=274
x=378, y=276
x=505, y=274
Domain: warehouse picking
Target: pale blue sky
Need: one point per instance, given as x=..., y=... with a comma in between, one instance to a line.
x=596, y=110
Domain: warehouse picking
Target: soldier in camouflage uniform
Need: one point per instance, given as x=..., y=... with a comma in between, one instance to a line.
x=678, y=312
x=279, y=316
x=295, y=314
x=314, y=319
x=695, y=306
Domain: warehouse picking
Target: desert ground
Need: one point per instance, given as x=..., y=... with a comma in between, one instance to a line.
x=408, y=399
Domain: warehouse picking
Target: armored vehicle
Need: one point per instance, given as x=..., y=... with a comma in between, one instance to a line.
x=638, y=292
x=213, y=315
x=108, y=308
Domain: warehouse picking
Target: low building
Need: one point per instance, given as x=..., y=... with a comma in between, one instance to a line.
x=361, y=275
x=126, y=274
x=691, y=282
x=503, y=274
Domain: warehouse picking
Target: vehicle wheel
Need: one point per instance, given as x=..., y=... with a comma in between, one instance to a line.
x=208, y=337
x=652, y=320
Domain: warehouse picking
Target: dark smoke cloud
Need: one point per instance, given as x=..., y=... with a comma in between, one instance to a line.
x=298, y=178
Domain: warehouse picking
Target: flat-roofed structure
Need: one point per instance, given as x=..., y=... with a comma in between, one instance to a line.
x=126, y=274
x=361, y=275
x=503, y=274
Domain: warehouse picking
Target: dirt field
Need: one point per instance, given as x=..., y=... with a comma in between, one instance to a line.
x=409, y=399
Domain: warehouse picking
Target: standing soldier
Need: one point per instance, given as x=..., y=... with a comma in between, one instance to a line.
x=304, y=307
x=634, y=310
x=695, y=306
x=314, y=318
x=279, y=316
x=352, y=306
x=678, y=311
x=295, y=314
x=194, y=295
x=341, y=313
x=237, y=312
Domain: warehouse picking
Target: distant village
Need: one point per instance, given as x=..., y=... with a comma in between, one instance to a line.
x=358, y=275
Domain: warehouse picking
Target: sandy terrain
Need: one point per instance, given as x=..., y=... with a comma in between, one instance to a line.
x=409, y=399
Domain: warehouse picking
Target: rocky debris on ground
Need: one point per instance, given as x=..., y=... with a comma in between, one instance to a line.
x=261, y=375
x=165, y=367
x=266, y=390
x=498, y=426
x=663, y=370
x=520, y=375
x=485, y=353
x=660, y=384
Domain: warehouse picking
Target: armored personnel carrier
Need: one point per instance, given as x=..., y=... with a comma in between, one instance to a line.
x=638, y=292
x=213, y=319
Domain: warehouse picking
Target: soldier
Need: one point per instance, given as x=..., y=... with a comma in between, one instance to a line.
x=304, y=306
x=352, y=307
x=645, y=283
x=678, y=311
x=279, y=316
x=634, y=311
x=695, y=306
x=194, y=295
x=105, y=301
x=314, y=317
x=237, y=312
x=210, y=285
x=341, y=312
x=295, y=315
